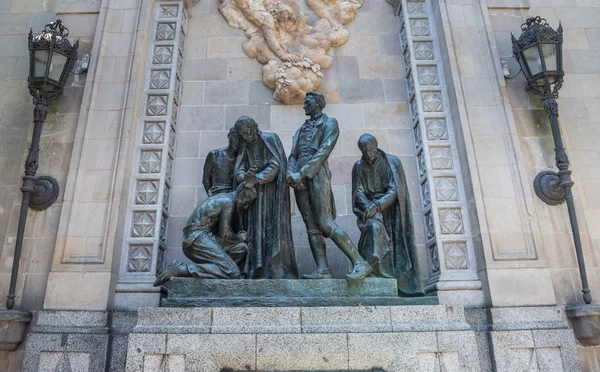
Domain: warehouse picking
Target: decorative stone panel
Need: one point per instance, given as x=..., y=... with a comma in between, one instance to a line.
x=456, y=255
x=147, y=192
x=436, y=129
x=416, y=8
x=150, y=161
x=446, y=188
x=447, y=228
x=160, y=79
x=154, y=132
x=140, y=258
x=163, y=54
x=441, y=157
x=166, y=31
x=148, y=214
x=143, y=224
x=157, y=105
x=419, y=27
x=428, y=75
x=451, y=221
x=432, y=101
x=423, y=50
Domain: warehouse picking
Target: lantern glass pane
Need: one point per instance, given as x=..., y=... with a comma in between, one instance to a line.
x=550, y=56
x=39, y=63
x=532, y=56
x=56, y=66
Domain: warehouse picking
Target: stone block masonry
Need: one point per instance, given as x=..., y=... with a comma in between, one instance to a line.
x=392, y=338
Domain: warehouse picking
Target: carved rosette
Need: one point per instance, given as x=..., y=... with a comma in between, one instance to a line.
x=280, y=37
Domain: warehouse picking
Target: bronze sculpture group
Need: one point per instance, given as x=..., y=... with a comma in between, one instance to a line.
x=248, y=186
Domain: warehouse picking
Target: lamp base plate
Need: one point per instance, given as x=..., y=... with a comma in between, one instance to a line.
x=547, y=187
x=46, y=193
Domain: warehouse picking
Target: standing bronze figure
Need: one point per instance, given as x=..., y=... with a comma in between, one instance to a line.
x=219, y=166
x=210, y=243
x=261, y=164
x=381, y=203
x=308, y=173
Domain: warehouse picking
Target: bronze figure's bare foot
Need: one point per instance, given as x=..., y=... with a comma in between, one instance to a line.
x=319, y=274
x=175, y=269
x=360, y=271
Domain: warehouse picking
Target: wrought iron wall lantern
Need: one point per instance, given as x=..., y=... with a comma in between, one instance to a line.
x=539, y=53
x=51, y=58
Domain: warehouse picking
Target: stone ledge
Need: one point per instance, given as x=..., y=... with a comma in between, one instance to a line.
x=296, y=301
x=295, y=320
x=71, y=321
x=219, y=288
x=190, y=292
x=517, y=318
x=13, y=326
x=586, y=323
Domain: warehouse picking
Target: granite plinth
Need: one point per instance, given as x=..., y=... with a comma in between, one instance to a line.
x=13, y=326
x=189, y=292
x=586, y=323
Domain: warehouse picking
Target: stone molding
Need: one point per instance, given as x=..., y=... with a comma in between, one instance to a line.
x=448, y=235
x=144, y=240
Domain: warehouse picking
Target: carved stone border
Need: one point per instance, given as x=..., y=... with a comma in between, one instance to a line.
x=144, y=240
x=448, y=235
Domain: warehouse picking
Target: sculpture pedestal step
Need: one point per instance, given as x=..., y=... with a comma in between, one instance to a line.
x=190, y=292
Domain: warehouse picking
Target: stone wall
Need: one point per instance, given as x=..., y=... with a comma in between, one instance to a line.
x=17, y=17
x=16, y=125
x=365, y=91
x=579, y=111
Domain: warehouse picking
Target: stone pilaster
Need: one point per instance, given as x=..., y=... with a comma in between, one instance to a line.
x=506, y=227
x=448, y=229
x=91, y=218
x=144, y=238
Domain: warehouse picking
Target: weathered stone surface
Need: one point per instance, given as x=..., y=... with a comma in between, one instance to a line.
x=185, y=292
x=189, y=295
x=302, y=352
x=189, y=287
x=346, y=319
x=214, y=352
x=13, y=326
x=173, y=320
x=586, y=324
x=256, y=320
x=427, y=318
x=540, y=317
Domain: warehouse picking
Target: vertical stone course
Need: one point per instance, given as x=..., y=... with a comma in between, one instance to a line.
x=436, y=151
x=151, y=181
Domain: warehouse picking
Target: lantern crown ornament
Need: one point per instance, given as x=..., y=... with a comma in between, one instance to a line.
x=539, y=53
x=51, y=58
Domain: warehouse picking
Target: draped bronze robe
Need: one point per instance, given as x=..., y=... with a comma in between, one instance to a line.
x=397, y=254
x=268, y=219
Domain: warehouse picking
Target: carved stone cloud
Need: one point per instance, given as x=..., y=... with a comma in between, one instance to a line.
x=280, y=37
